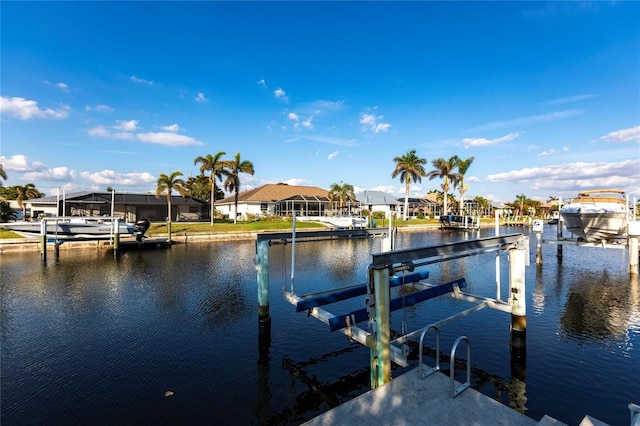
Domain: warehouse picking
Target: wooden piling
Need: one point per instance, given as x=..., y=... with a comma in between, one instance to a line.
x=517, y=261
x=116, y=238
x=380, y=327
x=262, y=268
x=43, y=240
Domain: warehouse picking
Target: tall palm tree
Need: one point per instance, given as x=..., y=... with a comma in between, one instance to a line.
x=444, y=169
x=342, y=192
x=166, y=185
x=232, y=182
x=410, y=168
x=463, y=166
x=217, y=168
x=26, y=192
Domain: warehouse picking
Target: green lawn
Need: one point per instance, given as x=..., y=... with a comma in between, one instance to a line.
x=267, y=225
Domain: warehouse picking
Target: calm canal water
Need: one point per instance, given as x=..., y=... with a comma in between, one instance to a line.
x=92, y=340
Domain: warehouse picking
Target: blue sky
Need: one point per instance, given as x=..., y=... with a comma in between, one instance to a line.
x=544, y=95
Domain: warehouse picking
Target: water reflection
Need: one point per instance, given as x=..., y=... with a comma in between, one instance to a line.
x=89, y=332
x=601, y=308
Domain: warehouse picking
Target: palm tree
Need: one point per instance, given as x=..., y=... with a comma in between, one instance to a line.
x=342, y=192
x=232, y=182
x=444, y=169
x=26, y=192
x=410, y=168
x=3, y=174
x=217, y=168
x=166, y=185
x=463, y=166
x=521, y=199
x=482, y=203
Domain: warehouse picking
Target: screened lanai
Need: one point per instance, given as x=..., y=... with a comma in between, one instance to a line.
x=303, y=205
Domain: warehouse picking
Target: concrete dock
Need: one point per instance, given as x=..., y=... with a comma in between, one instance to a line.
x=408, y=400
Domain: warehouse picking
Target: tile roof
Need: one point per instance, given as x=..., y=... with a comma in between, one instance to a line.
x=275, y=192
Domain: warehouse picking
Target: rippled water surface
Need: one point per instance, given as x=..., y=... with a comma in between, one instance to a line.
x=94, y=340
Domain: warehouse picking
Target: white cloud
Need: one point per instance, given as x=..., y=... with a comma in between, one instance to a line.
x=333, y=155
x=101, y=108
x=370, y=122
x=20, y=164
x=330, y=140
x=99, y=131
x=262, y=83
x=141, y=80
x=569, y=99
x=201, y=97
x=56, y=174
x=27, y=109
x=171, y=128
x=547, y=153
x=625, y=135
x=533, y=119
x=281, y=94
x=323, y=105
x=34, y=170
x=168, y=139
x=127, y=126
x=61, y=86
x=467, y=142
x=307, y=124
x=575, y=176
x=121, y=135
x=109, y=177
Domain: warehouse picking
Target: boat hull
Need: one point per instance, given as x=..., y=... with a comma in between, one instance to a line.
x=69, y=230
x=345, y=222
x=458, y=222
x=595, y=226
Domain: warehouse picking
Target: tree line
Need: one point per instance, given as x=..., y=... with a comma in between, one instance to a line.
x=409, y=168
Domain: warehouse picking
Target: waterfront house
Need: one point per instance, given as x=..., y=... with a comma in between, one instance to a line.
x=128, y=206
x=277, y=200
x=378, y=201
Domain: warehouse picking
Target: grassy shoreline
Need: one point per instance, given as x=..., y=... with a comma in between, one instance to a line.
x=222, y=227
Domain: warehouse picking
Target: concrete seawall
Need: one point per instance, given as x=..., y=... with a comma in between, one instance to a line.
x=18, y=245
x=23, y=245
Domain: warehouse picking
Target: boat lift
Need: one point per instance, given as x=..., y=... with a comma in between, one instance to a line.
x=382, y=275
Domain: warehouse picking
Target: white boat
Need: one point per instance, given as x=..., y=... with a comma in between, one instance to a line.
x=596, y=215
x=459, y=222
x=78, y=228
x=344, y=222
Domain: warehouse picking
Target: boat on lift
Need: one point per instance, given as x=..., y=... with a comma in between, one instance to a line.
x=596, y=215
x=77, y=228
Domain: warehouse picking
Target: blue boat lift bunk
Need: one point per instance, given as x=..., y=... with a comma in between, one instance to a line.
x=381, y=273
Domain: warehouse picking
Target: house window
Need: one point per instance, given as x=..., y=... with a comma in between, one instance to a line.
x=263, y=207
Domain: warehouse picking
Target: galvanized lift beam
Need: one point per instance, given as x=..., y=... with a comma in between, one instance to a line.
x=312, y=301
x=354, y=317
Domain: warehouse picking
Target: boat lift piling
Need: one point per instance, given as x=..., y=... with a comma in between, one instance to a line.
x=116, y=236
x=377, y=337
x=43, y=240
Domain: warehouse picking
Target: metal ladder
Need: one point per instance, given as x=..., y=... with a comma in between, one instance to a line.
x=454, y=391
